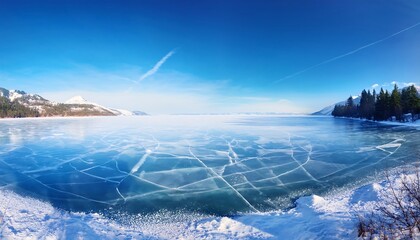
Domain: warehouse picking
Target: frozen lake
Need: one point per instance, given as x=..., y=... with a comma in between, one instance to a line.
x=210, y=164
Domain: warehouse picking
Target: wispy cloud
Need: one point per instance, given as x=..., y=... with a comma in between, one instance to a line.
x=157, y=66
x=375, y=85
x=347, y=54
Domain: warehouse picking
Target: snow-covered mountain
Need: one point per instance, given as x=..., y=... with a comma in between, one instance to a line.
x=76, y=106
x=77, y=100
x=21, y=96
x=328, y=110
x=81, y=101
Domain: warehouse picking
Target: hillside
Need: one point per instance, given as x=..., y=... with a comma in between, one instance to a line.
x=13, y=109
x=16, y=103
x=328, y=110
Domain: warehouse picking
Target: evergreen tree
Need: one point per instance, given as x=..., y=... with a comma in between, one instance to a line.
x=410, y=101
x=395, y=104
x=339, y=111
x=364, y=105
x=387, y=98
x=371, y=104
x=15, y=109
x=351, y=109
x=380, y=106
x=404, y=100
x=335, y=111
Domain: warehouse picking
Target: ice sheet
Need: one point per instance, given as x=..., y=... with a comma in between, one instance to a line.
x=210, y=164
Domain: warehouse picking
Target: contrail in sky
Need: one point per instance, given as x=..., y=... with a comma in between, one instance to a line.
x=156, y=67
x=346, y=54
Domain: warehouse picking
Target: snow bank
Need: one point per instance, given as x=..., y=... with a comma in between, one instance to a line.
x=314, y=217
x=415, y=124
x=409, y=124
x=28, y=218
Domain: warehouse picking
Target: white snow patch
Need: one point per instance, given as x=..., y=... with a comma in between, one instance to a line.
x=225, y=227
x=13, y=94
x=77, y=100
x=123, y=112
x=28, y=218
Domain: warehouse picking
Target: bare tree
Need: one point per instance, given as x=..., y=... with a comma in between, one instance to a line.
x=397, y=214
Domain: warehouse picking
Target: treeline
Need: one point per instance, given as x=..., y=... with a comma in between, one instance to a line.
x=398, y=105
x=13, y=109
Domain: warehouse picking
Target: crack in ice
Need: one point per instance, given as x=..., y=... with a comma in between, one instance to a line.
x=227, y=183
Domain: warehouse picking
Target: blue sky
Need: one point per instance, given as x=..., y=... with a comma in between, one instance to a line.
x=208, y=56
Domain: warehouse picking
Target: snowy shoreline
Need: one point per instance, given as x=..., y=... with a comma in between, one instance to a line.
x=168, y=115
x=407, y=124
x=330, y=217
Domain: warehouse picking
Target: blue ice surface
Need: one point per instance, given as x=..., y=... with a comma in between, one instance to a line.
x=220, y=165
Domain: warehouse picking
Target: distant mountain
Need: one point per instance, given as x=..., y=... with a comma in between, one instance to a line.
x=328, y=110
x=21, y=96
x=79, y=100
x=139, y=113
x=14, y=109
x=76, y=106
